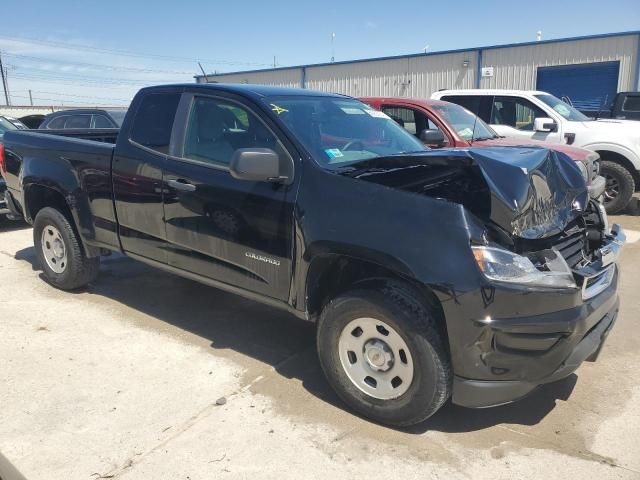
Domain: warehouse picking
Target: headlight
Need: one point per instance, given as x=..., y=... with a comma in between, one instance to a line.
x=502, y=265
x=583, y=170
x=593, y=164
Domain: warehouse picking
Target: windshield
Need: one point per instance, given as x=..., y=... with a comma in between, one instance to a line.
x=341, y=131
x=468, y=125
x=6, y=125
x=118, y=116
x=562, y=108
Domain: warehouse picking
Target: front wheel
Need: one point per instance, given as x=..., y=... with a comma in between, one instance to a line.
x=619, y=188
x=384, y=355
x=60, y=252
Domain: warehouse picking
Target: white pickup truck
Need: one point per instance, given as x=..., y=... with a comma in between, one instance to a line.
x=541, y=116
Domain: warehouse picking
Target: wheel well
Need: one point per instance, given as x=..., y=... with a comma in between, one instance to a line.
x=38, y=197
x=331, y=276
x=621, y=160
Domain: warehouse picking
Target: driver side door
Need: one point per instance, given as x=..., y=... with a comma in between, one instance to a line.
x=233, y=231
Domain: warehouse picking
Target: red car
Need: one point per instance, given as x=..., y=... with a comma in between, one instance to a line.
x=442, y=124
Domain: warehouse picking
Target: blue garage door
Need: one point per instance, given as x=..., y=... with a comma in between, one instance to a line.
x=587, y=85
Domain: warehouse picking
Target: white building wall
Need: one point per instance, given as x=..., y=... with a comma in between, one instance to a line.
x=289, y=77
x=419, y=76
x=380, y=78
x=516, y=67
x=431, y=73
x=402, y=77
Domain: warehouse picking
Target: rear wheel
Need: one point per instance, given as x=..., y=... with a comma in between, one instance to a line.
x=384, y=355
x=620, y=186
x=60, y=252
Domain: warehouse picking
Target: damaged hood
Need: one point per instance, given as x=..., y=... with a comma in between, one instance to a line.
x=528, y=192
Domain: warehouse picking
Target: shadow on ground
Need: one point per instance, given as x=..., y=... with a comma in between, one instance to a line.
x=12, y=225
x=275, y=338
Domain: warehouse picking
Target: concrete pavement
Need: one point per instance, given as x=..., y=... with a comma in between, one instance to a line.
x=121, y=381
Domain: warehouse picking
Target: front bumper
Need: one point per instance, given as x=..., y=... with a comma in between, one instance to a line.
x=503, y=358
x=487, y=393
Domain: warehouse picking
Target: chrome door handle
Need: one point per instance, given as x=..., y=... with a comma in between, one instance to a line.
x=182, y=185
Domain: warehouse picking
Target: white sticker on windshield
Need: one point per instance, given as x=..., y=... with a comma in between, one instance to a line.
x=562, y=110
x=333, y=152
x=352, y=111
x=378, y=114
x=466, y=132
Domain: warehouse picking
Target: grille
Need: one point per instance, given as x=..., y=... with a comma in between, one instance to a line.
x=571, y=244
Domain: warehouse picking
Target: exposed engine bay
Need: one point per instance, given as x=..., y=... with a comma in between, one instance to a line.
x=532, y=201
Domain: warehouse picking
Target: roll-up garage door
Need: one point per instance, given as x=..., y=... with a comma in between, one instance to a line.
x=589, y=86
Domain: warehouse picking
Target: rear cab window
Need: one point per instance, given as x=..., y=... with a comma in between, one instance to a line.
x=481, y=105
x=153, y=121
x=101, y=121
x=78, y=121
x=57, y=123
x=631, y=104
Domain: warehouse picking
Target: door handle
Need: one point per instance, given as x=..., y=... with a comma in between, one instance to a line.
x=182, y=185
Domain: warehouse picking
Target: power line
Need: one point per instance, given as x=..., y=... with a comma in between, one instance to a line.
x=80, y=96
x=75, y=46
x=73, y=76
x=59, y=101
x=96, y=65
x=78, y=83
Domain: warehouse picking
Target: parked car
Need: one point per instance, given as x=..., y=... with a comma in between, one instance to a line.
x=441, y=124
x=84, y=118
x=3, y=204
x=541, y=116
x=5, y=125
x=475, y=273
x=32, y=121
x=625, y=106
x=16, y=123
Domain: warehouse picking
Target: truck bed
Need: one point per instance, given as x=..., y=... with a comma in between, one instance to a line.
x=106, y=135
x=31, y=154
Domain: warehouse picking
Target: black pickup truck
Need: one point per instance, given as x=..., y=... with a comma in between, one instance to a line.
x=472, y=274
x=625, y=106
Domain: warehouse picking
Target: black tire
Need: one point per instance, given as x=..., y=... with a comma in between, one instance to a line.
x=78, y=270
x=620, y=186
x=416, y=324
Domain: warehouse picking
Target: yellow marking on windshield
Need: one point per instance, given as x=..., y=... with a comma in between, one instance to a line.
x=277, y=109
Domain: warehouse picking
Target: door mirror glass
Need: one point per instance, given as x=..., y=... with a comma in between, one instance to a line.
x=545, y=124
x=257, y=165
x=433, y=138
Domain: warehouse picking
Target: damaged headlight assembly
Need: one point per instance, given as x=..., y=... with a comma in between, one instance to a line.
x=583, y=170
x=500, y=265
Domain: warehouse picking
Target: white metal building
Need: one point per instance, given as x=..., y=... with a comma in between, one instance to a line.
x=588, y=70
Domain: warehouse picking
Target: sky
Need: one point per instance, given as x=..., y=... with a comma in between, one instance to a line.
x=100, y=53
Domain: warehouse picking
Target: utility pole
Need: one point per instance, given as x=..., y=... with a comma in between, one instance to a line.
x=4, y=82
x=333, y=48
x=274, y=61
x=206, y=79
x=30, y=98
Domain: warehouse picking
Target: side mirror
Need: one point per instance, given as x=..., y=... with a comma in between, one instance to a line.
x=256, y=165
x=544, y=124
x=433, y=137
